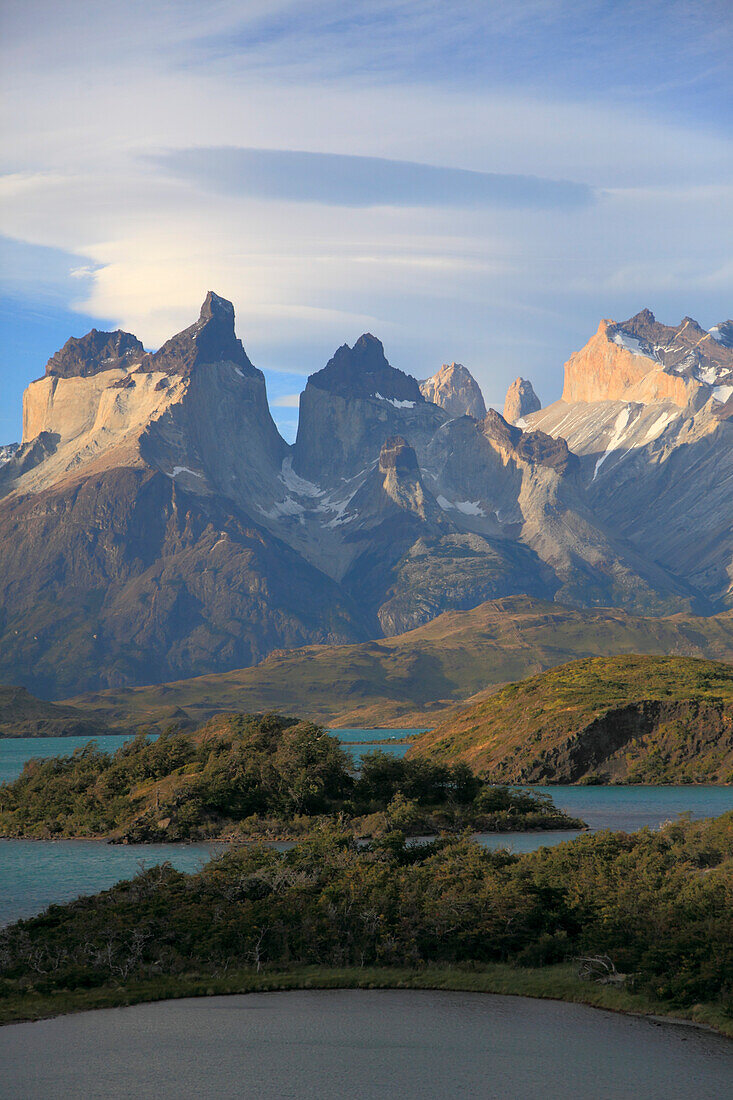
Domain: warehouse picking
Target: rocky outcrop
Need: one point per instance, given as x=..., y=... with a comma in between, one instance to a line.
x=401, y=482
x=536, y=447
x=83, y=356
x=7, y=452
x=20, y=458
x=723, y=333
x=456, y=390
x=521, y=401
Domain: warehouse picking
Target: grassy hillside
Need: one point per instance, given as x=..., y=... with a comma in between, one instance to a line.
x=420, y=677
x=623, y=719
x=22, y=715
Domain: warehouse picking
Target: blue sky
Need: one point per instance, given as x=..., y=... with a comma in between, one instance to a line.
x=471, y=181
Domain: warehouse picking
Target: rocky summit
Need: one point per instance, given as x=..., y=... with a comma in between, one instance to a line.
x=456, y=390
x=156, y=526
x=521, y=401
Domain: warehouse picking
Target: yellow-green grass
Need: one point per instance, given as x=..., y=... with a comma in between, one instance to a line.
x=643, y=718
x=558, y=982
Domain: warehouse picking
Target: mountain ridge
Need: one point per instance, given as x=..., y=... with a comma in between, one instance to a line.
x=154, y=514
x=417, y=678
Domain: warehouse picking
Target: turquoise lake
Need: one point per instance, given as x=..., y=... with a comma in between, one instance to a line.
x=37, y=873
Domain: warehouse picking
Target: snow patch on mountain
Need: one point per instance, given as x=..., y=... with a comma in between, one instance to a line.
x=467, y=507
x=636, y=347
x=393, y=401
x=658, y=426
x=281, y=508
x=470, y=508
x=622, y=421
x=184, y=470
x=296, y=484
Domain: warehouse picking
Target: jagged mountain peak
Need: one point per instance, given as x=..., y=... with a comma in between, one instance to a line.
x=644, y=361
x=722, y=333
x=83, y=356
x=455, y=389
x=521, y=401
x=211, y=339
x=364, y=371
x=643, y=317
x=535, y=447
x=394, y=488
x=219, y=543
x=216, y=308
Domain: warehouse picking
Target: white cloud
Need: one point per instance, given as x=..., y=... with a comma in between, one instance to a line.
x=93, y=92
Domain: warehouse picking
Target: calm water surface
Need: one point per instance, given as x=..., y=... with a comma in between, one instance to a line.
x=35, y=874
x=362, y=1045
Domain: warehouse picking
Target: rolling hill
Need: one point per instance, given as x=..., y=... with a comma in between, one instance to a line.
x=420, y=677
x=621, y=719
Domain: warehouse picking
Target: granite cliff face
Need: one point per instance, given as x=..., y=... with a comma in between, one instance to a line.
x=642, y=360
x=456, y=390
x=155, y=525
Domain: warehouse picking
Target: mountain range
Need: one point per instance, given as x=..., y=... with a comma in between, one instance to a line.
x=154, y=524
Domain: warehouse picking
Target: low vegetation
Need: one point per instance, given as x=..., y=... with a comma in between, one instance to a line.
x=255, y=776
x=448, y=914
x=604, y=719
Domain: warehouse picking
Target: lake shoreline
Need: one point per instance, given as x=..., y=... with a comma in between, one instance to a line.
x=556, y=983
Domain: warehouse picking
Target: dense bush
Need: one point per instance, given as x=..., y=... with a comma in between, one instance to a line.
x=660, y=904
x=246, y=770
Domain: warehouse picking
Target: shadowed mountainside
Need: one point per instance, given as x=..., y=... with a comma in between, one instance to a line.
x=415, y=678
x=22, y=715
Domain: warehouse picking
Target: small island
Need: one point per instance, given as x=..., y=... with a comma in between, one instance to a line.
x=257, y=777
